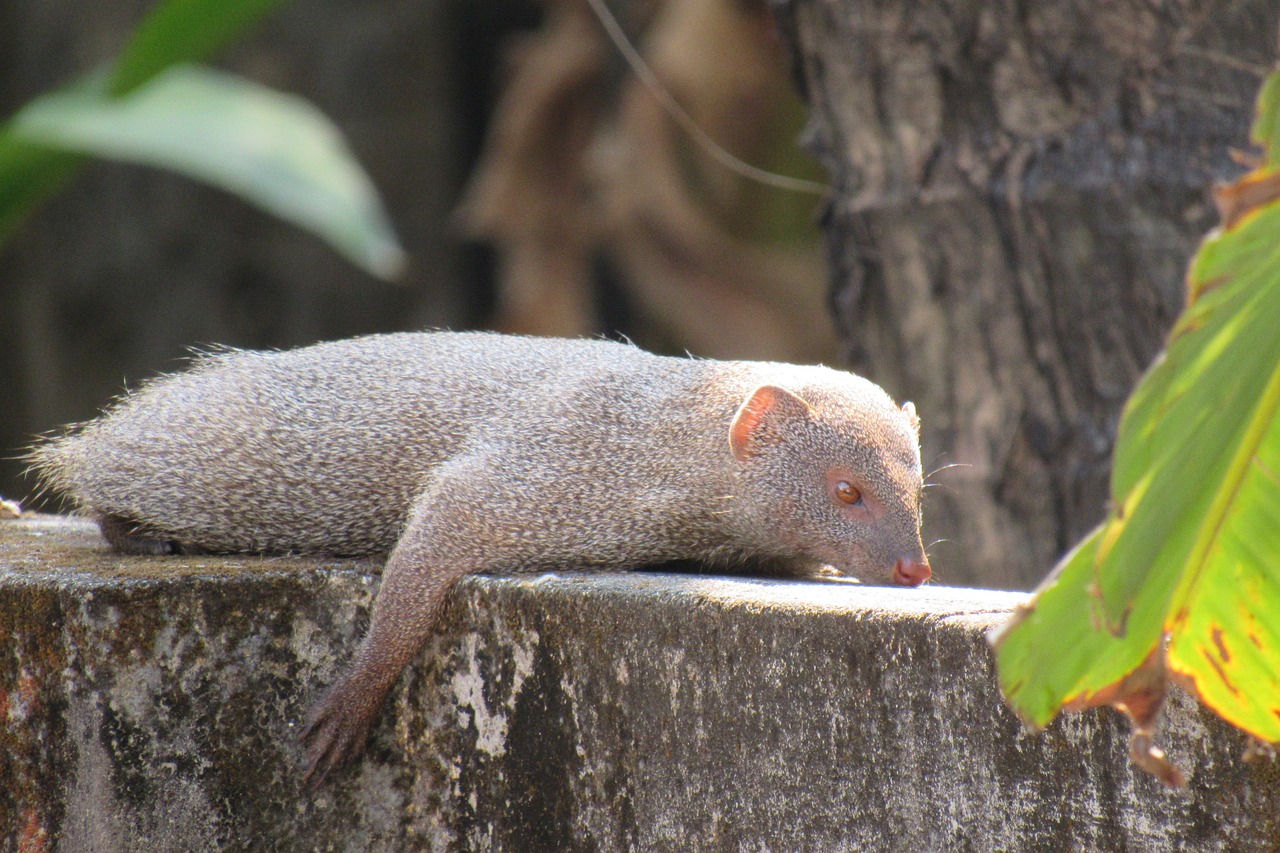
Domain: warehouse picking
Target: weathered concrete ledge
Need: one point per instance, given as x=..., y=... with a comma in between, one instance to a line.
x=153, y=704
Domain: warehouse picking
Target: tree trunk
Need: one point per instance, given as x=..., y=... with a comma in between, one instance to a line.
x=1017, y=190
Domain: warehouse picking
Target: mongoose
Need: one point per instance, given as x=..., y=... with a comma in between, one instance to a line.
x=456, y=453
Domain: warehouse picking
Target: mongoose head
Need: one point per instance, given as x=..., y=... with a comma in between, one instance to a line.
x=832, y=475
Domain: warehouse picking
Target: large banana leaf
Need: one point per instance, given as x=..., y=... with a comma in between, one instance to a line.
x=1184, y=575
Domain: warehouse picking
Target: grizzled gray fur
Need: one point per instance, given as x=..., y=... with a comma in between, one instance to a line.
x=455, y=453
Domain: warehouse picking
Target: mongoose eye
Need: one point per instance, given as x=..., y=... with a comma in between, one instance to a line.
x=848, y=493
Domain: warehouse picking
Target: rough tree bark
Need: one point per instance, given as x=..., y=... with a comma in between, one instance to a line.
x=1018, y=189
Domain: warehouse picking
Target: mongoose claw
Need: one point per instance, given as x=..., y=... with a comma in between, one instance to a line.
x=334, y=732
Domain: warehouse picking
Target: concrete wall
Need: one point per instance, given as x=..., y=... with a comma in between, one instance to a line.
x=152, y=703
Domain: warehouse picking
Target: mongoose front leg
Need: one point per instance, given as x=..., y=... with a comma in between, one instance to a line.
x=415, y=582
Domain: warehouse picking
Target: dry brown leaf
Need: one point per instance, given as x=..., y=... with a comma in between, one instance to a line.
x=566, y=177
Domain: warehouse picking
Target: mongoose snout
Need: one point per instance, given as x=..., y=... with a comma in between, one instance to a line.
x=909, y=572
x=453, y=453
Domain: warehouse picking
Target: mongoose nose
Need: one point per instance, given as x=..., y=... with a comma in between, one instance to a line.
x=910, y=573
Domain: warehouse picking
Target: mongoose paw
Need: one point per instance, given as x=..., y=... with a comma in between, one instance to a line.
x=334, y=732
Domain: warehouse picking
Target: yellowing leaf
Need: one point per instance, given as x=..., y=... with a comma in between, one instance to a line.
x=1187, y=565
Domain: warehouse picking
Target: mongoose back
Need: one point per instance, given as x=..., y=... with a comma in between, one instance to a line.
x=455, y=453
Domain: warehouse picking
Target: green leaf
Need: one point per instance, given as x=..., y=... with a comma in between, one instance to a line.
x=1191, y=547
x=1266, y=127
x=28, y=175
x=1048, y=647
x=273, y=149
x=182, y=31
x=175, y=31
x=1224, y=616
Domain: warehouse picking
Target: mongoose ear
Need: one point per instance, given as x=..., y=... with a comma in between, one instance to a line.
x=758, y=418
x=909, y=409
